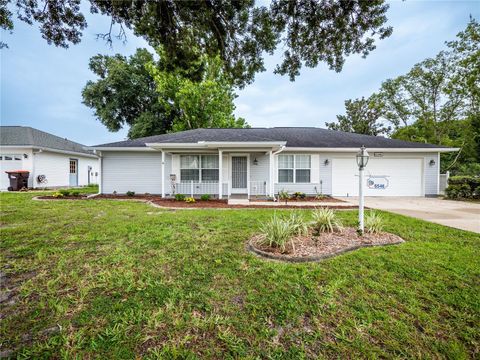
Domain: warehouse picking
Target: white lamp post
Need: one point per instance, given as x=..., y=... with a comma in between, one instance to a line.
x=362, y=160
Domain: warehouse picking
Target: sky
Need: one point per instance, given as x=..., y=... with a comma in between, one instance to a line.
x=41, y=84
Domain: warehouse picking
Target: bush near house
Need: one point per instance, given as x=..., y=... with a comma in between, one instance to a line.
x=64, y=192
x=179, y=197
x=205, y=197
x=463, y=187
x=130, y=193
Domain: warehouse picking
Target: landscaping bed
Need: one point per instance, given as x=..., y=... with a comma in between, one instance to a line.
x=198, y=203
x=316, y=247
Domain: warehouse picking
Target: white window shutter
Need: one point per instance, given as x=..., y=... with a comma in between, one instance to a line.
x=176, y=166
x=315, y=169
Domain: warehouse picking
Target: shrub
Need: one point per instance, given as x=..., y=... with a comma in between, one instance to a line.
x=205, y=197
x=373, y=223
x=472, y=181
x=189, y=200
x=57, y=194
x=130, y=193
x=277, y=232
x=325, y=220
x=64, y=192
x=298, y=223
x=179, y=197
x=459, y=191
x=283, y=195
x=299, y=195
x=75, y=193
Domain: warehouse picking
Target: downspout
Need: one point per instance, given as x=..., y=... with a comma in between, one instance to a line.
x=100, y=158
x=272, y=182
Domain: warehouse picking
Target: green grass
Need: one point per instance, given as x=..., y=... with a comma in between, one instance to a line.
x=124, y=279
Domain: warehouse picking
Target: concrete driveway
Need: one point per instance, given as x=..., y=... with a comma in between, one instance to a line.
x=457, y=214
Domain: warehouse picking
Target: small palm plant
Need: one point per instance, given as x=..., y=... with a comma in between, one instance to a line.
x=374, y=223
x=278, y=232
x=284, y=195
x=298, y=223
x=325, y=220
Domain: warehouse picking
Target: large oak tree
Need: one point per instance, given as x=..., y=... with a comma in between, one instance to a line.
x=308, y=32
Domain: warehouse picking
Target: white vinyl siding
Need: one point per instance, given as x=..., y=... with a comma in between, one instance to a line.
x=132, y=171
x=56, y=168
x=431, y=174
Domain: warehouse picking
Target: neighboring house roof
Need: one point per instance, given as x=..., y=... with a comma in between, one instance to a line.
x=30, y=137
x=295, y=137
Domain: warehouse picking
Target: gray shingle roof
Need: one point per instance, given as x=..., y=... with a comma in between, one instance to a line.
x=302, y=137
x=27, y=136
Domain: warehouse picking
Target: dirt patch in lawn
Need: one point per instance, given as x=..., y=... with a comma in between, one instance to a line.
x=50, y=197
x=322, y=246
x=200, y=204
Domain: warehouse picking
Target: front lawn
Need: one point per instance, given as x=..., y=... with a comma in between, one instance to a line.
x=124, y=279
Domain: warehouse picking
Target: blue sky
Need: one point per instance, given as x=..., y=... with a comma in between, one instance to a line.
x=41, y=85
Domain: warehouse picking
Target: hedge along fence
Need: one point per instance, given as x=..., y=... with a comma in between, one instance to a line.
x=463, y=187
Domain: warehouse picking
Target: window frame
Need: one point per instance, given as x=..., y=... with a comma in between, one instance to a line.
x=294, y=169
x=200, y=169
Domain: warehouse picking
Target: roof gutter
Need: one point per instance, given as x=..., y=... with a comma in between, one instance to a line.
x=43, y=148
x=355, y=149
x=280, y=150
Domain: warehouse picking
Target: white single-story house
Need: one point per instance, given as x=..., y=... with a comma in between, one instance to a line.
x=264, y=161
x=51, y=160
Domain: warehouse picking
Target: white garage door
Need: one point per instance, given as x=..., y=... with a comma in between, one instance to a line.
x=383, y=177
x=8, y=162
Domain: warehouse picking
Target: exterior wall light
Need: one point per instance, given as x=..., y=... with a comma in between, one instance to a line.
x=255, y=161
x=362, y=161
x=25, y=156
x=326, y=162
x=432, y=162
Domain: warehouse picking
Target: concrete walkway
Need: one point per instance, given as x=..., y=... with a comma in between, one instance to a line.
x=457, y=214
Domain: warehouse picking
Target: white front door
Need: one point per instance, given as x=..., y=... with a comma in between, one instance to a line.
x=382, y=176
x=73, y=172
x=239, y=174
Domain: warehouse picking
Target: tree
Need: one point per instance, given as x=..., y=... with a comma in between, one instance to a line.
x=438, y=100
x=363, y=116
x=152, y=98
x=126, y=95
x=203, y=103
x=309, y=32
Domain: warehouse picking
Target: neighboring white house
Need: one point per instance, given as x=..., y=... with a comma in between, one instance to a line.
x=263, y=161
x=60, y=161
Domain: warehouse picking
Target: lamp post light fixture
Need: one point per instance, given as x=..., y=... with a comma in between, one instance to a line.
x=362, y=160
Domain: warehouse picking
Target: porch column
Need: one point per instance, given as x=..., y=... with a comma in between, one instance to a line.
x=272, y=175
x=163, y=174
x=220, y=173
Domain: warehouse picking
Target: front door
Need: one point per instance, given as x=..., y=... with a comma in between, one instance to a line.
x=239, y=174
x=73, y=172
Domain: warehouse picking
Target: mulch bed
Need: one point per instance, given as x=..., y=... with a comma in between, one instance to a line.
x=306, y=199
x=323, y=246
x=172, y=203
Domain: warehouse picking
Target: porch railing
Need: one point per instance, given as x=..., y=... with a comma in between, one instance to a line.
x=193, y=188
x=258, y=188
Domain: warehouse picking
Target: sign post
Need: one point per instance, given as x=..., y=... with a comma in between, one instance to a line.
x=362, y=160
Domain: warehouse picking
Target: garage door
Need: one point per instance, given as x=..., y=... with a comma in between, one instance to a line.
x=383, y=177
x=8, y=162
